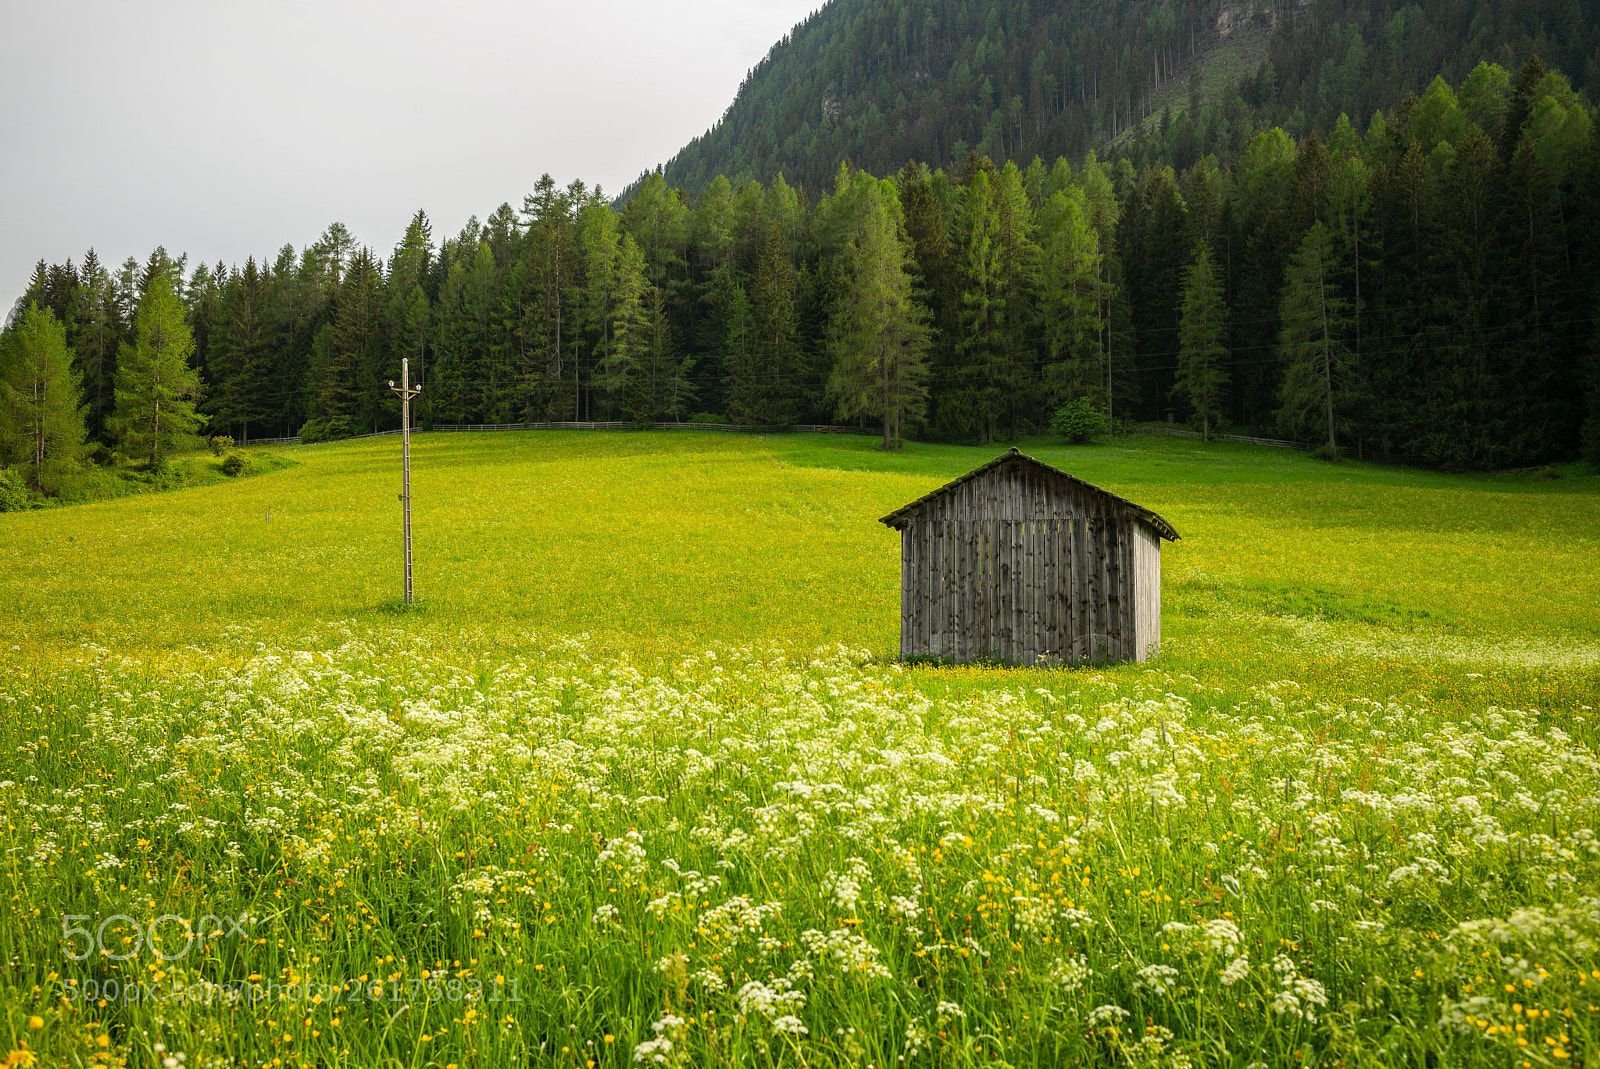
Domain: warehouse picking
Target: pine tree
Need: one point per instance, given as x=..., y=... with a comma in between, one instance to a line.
x=878, y=333
x=1315, y=322
x=41, y=423
x=1202, y=334
x=156, y=388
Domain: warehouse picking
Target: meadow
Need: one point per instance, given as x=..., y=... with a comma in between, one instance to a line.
x=639, y=780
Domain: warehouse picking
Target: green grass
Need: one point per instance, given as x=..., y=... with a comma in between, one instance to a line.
x=642, y=744
x=94, y=483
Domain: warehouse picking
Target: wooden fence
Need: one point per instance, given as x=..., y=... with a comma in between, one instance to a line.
x=1179, y=432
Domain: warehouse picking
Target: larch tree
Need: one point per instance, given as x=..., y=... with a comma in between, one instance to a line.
x=1067, y=298
x=1315, y=319
x=156, y=388
x=41, y=422
x=1202, y=340
x=878, y=333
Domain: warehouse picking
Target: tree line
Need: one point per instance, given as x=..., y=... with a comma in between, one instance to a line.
x=1427, y=287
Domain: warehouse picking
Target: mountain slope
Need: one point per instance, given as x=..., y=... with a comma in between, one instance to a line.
x=883, y=82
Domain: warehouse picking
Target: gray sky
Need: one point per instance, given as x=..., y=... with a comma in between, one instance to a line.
x=227, y=129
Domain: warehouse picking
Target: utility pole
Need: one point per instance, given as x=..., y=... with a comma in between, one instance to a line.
x=406, y=394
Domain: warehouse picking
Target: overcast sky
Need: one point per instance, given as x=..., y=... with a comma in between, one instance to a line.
x=227, y=129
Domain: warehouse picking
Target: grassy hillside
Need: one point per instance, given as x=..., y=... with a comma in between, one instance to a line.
x=640, y=781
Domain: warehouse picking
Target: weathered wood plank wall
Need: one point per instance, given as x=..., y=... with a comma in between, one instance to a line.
x=1020, y=567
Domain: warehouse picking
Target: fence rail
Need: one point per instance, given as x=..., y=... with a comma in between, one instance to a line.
x=1179, y=432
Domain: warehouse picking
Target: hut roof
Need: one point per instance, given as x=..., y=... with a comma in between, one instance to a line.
x=901, y=516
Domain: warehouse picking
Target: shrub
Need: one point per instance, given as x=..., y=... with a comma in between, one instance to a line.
x=100, y=455
x=14, y=495
x=220, y=444
x=326, y=430
x=234, y=464
x=706, y=417
x=1079, y=421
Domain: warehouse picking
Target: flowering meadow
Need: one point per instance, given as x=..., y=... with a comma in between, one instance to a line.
x=1339, y=821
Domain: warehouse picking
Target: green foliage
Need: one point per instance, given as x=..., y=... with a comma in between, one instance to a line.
x=41, y=418
x=234, y=465
x=14, y=494
x=156, y=387
x=1079, y=421
x=1315, y=323
x=878, y=334
x=220, y=444
x=327, y=430
x=1203, y=330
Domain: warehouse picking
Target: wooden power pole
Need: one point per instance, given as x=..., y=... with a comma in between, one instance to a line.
x=406, y=394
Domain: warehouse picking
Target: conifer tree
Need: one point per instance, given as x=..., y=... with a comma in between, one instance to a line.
x=157, y=390
x=878, y=333
x=94, y=336
x=1067, y=301
x=41, y=422
x=1315, y=320
x=762, y=391
x=1202, y=335
x=239, y=390
x=349, y=388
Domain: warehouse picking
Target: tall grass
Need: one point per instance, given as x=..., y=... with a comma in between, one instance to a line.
x=640, y=782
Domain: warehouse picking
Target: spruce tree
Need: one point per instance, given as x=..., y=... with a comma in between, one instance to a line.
x=350, y=389
x=1202, y=341
x=763, y=388
x=1315, y=320
x=41, y=422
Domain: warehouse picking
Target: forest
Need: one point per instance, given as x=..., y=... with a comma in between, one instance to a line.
x=1158, y=81
x=1423, y=289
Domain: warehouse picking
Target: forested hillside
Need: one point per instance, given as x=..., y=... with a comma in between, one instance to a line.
x=1426, y=287
x=880, y=83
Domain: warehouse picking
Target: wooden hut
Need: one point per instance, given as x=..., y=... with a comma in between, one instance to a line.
x=1020, y=562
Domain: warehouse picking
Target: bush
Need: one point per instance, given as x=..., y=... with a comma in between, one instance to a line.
x=234, y=464
x=100, y=455
x=14, y=494
x=706, y=417
x=1079, y=421
x=326, y=430
x=220, y=444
